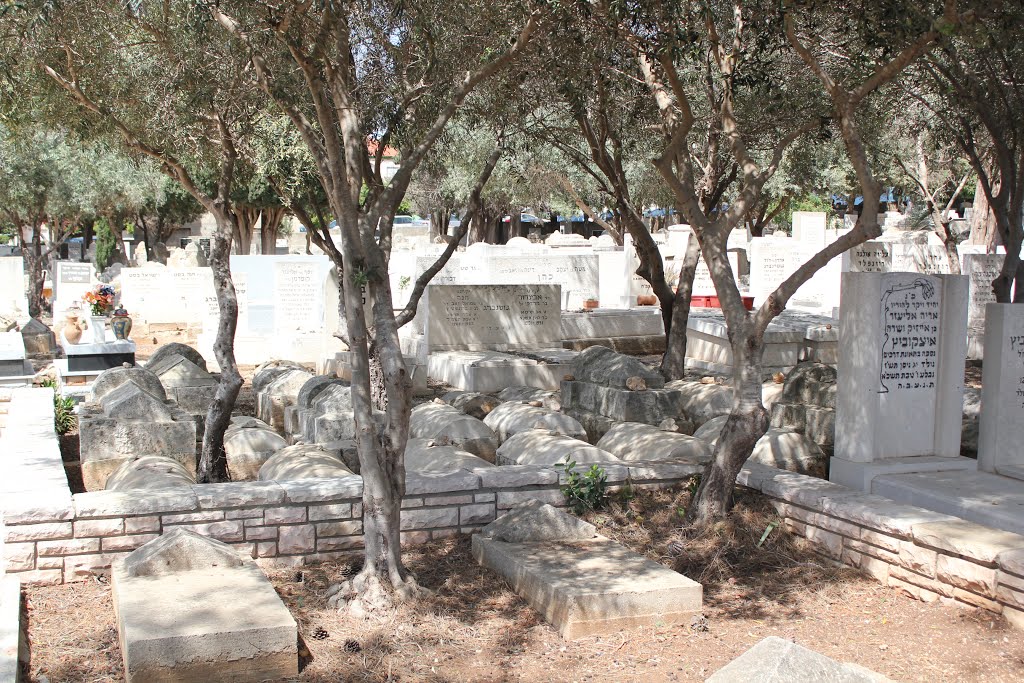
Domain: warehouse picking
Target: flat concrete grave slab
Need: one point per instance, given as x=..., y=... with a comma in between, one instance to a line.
x=190, y=608
x=979, y=497
x=776, y=660
x=584, y=584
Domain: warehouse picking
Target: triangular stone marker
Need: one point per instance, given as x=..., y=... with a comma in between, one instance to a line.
x=776, y=660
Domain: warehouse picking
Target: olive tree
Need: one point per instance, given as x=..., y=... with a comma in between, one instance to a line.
x=343, y=73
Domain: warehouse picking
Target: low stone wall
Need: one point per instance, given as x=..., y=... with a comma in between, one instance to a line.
x=51, y=537
x=927, y=555
x=291, y=522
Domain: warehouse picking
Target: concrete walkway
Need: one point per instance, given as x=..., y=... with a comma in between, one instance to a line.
x=979, y=497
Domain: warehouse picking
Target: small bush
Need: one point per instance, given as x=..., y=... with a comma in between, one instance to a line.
x=587, y=491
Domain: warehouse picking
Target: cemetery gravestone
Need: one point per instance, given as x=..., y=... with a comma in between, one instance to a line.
x=900, y=388
x=981, y=270
x=13, y=302
x=869, y=257
x=809, y=228
x=496, y=317
x=72, y=282
x=1002, y=399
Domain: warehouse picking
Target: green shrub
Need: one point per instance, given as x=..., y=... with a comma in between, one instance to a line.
x=64, y=418
x=586, y=491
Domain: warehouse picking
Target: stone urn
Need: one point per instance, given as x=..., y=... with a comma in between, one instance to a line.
x=98, y=326
x=121, y=323
x=72, y=330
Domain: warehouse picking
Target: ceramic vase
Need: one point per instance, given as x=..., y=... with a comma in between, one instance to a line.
x=72, y=331
x=121, y=324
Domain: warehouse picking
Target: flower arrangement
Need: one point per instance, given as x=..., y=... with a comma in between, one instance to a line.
x=100, y=299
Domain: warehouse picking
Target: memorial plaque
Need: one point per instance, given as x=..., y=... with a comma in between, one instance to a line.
x=910, y=310
x=981, y=269
x=72, y=282
x=769, y=265
x=869, y=257
x=929, y=259
x=298, y=293
x=479, y=317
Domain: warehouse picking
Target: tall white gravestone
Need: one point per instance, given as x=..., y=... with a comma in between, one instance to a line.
x=1001, y=431
x=902, y=346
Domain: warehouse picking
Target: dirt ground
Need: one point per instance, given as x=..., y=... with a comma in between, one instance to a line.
x=474, y=628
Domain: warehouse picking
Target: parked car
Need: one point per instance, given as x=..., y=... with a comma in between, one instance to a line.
x=413, y=221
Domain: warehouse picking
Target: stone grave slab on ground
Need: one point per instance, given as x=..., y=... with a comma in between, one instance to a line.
x=776, y=660
x=545, y=447
x=128, y=422
x=510, y=418
x=783, y=448
x=583, y=584
x=148, y=472
x=634, y=441
x=791, y=338
x=304, y=461
x=449, y=426
x=248, y=446
x=421, y=455
x=190, y=608
x=900, y=388
x=188, y=384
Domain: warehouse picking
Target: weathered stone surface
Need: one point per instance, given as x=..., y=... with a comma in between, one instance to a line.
x=543, y=447
x=775, y=660
x=600, y=365
x=472, y=403
x=444, y=423
x=129, y=423
x=191, y=609
x=348, y=488
x=149, y=472
x=422, y=456
x=702, y=402
x=440, y=482
x=304, y=461
x=519, y=394
x=111, y=379
x=812, y=384
x=179, y=550
x=967, y=539
x=782, y=448
x=510, y=418
x=534, y=521
x=515, y=476
x=280, y=393
x=633, y=441
x=313, y=387
x=176, y=349
x=247, y=449
x=178, y=371
x=266, y=372
x=129, y=402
